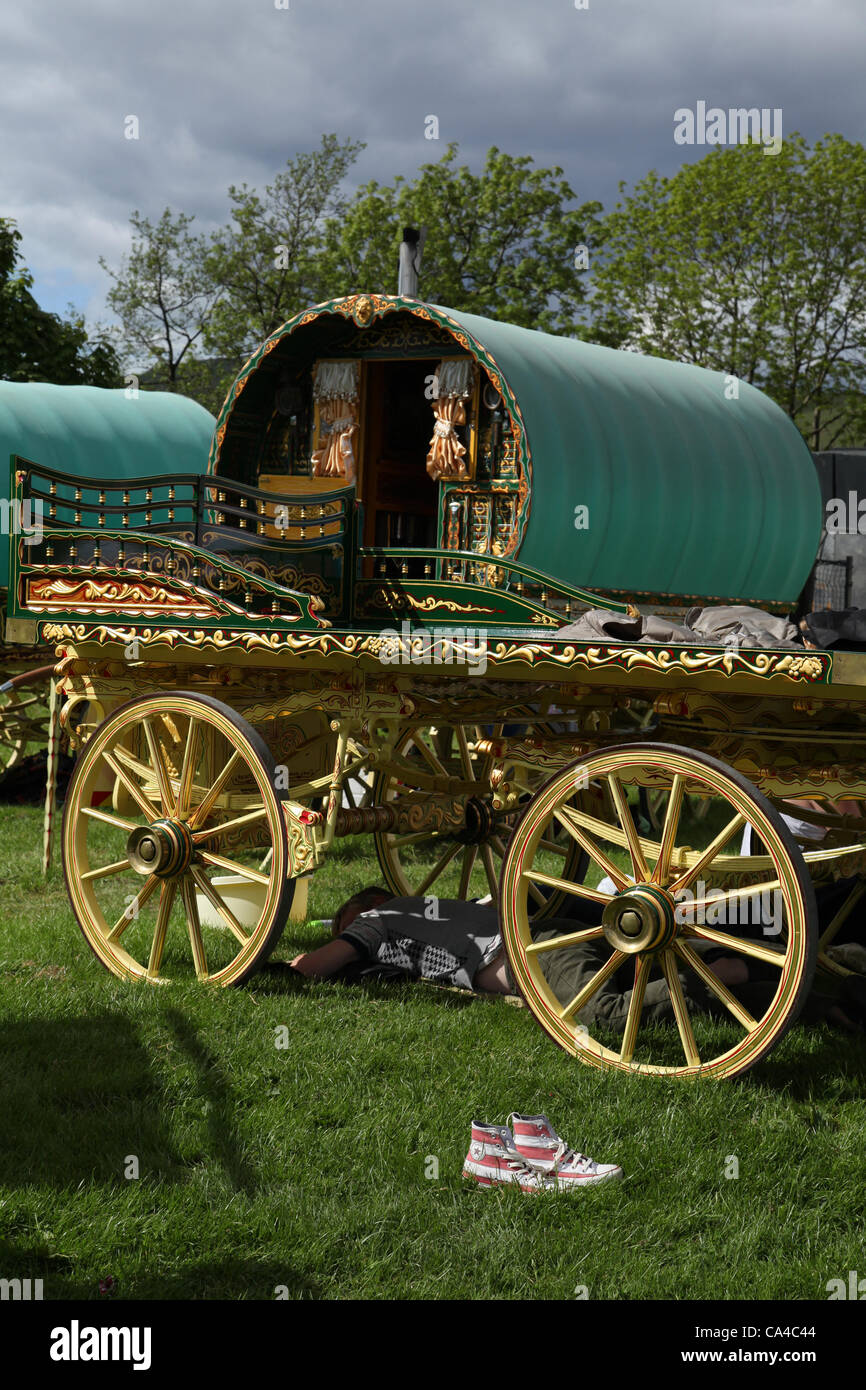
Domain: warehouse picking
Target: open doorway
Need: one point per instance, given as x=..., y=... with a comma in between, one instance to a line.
x=400, y=498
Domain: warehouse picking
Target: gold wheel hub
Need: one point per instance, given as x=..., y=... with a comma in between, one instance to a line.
x=640, y=919
x=164, y=848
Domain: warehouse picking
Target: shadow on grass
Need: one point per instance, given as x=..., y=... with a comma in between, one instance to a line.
x=217, y=1093
x=233, y=1278
x=835, y=1067
x=277, y=977
x=77, y=1095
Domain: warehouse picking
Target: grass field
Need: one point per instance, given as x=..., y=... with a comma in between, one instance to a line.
x=305, y=1167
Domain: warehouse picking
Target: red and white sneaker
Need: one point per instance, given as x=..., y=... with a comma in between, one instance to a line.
x=493, y=1160
x=539, y=1145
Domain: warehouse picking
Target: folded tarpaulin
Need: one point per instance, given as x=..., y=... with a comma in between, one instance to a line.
x=725, y=625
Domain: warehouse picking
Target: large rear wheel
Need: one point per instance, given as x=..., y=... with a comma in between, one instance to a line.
x=666, y=899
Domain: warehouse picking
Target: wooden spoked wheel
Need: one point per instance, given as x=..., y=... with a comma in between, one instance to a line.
x=657, y=920
x=23, y=722
x=190, y=879
x=462, y=860
x=826, y=963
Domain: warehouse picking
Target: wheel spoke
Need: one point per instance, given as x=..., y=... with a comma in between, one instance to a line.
x=490, y=870
x=709, y=853
x=551, y=847
x=132, y=911
x=740, y=944
x=187, y=889
x=118, y=867
x=572, y=938
x=640, y=872
x=470, y=854
x=853, y=898
x=535, y=893
x=216, y=902
x=117, y=821
x=246, y=819
x=233, y=867
x=465, y=759
x=564, y=816
x=439, y=867
x=681, y=1013
x=712, y=981
x=577, y=889
x=722, y=898
x=132, y=787
x=416, y=836
x=428, y=755
x=669, y=830
x=187, y=771
x=205, y=807
x=159, y=768
x=166, y=901
x=592, y=986
x=635, y=1008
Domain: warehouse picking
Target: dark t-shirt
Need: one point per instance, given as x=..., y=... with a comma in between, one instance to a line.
x=446, y=940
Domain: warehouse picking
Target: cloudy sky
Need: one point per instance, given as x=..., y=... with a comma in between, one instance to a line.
x=226, y=90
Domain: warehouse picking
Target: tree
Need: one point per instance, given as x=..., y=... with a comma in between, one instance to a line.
x=751, y=264
x=266, y=261
x=505, y=242
x=36, y=345
x=162, y=296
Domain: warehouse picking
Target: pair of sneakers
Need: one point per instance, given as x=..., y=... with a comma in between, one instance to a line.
x=532, y=1155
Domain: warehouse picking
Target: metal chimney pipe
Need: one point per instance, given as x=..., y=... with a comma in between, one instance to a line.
x=410, y=261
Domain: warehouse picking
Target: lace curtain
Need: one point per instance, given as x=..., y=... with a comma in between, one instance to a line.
x=336, y=391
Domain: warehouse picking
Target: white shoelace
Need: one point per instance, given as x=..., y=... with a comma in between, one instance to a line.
x=522, y=1169
x=564, y=1155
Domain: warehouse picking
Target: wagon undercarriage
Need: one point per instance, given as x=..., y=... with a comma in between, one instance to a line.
x=616, y=816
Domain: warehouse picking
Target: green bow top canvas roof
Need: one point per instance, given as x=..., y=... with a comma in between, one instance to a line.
x=93, y=432
x=695, y=485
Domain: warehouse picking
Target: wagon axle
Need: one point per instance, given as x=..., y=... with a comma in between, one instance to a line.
x=165, y=848
x=641, y=919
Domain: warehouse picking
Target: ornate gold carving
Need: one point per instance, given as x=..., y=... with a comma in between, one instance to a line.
x=663, y=660
x=666, y=660
x=362, y=311
x=391, y=599
x=289, y=576
x=53, y=595
x=302, y=848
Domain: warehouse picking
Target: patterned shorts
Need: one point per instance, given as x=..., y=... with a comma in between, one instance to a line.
x=448, y=949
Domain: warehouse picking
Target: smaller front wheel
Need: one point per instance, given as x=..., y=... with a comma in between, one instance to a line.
x=188, y=879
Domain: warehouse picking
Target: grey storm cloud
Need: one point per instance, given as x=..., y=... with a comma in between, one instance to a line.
x=226, y=90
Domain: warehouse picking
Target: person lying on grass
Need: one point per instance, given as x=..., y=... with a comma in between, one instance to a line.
x=448, y=941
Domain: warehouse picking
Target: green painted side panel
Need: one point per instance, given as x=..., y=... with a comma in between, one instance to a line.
x=96, y=433
x=689, y=493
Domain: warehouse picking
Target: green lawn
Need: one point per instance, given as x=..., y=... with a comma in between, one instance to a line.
x=305, y=1167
